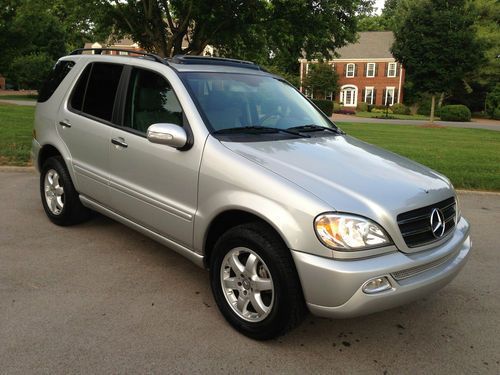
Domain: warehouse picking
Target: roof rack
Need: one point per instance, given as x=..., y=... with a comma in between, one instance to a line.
x=208, y=60
x=99, y=51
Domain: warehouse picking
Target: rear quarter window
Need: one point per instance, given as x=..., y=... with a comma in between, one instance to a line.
x=56, y=76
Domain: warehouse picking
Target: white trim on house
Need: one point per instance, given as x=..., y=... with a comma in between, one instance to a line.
x=392, y=66
x=370, y=89
x=371, y=66
x=349, y=71
x=387, y=90
x=349, y=95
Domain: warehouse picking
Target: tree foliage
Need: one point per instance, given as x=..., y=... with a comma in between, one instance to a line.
x=436, y=42
x=321, y=78
x=272, y=31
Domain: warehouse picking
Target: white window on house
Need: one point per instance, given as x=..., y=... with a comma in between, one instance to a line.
x=370, y=69
x=349, y=96
x=391, y=69
x=389, y=96
x=329, y=95
x=308, y=94
x=369, y=95
x=350, y=70
x=123, y=53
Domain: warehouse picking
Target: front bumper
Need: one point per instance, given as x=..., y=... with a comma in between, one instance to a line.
x=333, y=288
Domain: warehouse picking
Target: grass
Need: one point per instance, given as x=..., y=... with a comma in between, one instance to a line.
x=16, y=124
x=392, y=116
x=469, y=157
x=19, y=97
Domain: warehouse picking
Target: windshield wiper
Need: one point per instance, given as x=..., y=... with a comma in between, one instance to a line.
x=258, y=130
x=315, y=128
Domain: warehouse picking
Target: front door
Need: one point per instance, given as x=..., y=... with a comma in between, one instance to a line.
x=154, y=185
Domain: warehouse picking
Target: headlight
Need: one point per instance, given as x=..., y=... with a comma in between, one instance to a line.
x=347, y=232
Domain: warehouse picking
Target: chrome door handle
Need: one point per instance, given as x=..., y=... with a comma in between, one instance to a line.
x=119, y=142
x=65, y=124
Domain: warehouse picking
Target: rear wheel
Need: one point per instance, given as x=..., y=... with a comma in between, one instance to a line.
x=59, y=198
x=255, y=283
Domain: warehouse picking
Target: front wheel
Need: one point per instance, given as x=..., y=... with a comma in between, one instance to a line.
x=254, y=282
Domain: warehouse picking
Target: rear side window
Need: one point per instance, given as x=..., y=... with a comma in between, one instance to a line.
x=96, y=89
x=56, y=76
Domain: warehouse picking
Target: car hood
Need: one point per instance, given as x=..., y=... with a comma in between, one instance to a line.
x=350, y=175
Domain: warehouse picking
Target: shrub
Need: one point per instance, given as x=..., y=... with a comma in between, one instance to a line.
x=347, y=111
x=493, y=101
x=381, y=109
x=337, y=107
x=400, y=109
x=456, y=112
x=496, y=113
x=325, y=105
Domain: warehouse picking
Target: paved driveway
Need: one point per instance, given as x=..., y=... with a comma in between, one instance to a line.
x=100, y=298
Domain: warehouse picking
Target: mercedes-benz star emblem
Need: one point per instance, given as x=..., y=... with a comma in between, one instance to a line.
x=437, y=223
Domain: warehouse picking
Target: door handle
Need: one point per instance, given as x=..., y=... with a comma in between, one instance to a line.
x=65, y=124
x=119, y=142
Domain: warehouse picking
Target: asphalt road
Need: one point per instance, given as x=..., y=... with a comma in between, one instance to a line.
x=99, y=298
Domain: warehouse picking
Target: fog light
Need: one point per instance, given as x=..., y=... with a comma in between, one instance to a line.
x=380, y=284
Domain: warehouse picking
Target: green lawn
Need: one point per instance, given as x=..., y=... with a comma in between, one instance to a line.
x=19, y=97
x=394, y=116
x=469, y=157
x=16, y=124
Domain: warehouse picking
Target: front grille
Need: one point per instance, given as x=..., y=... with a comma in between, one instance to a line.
x=415, y=226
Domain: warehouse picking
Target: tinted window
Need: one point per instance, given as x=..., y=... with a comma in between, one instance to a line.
x=79, y=92
x=56, y=76
x=150, y=100
x=101, y=90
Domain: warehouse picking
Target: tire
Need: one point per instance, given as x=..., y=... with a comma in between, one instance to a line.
x=264, y=262
x=60, y=200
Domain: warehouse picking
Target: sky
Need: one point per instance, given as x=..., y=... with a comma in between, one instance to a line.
x=379, y=4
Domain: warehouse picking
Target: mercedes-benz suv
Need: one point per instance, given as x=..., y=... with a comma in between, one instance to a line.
x=235, y=169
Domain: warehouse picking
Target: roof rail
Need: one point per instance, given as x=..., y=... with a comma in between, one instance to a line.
x=208, y=60
x=99, y=51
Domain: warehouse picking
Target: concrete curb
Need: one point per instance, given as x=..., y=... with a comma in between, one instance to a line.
x=482, y=192
x=8, y=168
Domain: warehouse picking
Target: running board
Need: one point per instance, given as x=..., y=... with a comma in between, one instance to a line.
x=184, y=251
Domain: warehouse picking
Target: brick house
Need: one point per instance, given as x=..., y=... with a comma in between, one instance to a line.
x=367, y=72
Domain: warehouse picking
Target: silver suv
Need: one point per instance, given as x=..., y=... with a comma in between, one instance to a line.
x=233, y=168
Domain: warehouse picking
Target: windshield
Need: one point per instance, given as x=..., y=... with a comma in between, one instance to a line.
x=230, y=100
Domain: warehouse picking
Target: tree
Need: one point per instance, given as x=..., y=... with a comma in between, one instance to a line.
x=272, y=31
x=436, y=43
x=321, y=79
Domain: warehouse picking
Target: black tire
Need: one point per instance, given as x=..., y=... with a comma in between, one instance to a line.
x=72, y=212
x=288, y=308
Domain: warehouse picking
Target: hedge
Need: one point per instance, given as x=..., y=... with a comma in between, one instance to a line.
x=325, y=105
x=456, y=112
x=400, y=109
x=496, y=113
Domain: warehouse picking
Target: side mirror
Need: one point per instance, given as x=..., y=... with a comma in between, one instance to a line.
x=167, y=134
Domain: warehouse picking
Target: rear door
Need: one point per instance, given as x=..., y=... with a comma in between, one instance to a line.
x=154, y=185
x=85, y=126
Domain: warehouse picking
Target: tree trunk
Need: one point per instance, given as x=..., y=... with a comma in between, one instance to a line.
x=441, y=100
x=433, y=107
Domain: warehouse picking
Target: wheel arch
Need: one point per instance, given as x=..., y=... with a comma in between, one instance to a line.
x=47, y=151
x=229, y=219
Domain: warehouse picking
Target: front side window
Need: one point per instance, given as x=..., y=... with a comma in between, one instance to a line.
x=391, y=69
x=56, y=76
x=370, y=70
x=350, y=70
x=95, y=91
x=230, y=100
x=150, y=100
